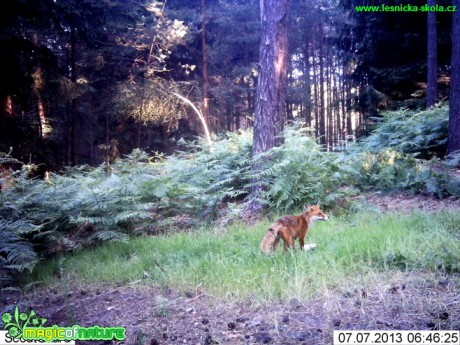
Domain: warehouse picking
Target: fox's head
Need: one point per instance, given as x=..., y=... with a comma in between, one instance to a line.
x=314, y=212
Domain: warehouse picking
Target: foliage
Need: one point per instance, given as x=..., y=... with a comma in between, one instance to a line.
x=394, y=156
x=390, y=170
x=300, y=171
x=152, y=102
x=79, y=208
x=297, y=172
x=200, y=179
x=16, y=252
x=422, y=133
x=85, y=206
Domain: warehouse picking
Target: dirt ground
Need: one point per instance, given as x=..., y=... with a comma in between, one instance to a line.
x=407, y=203
x=154, y=315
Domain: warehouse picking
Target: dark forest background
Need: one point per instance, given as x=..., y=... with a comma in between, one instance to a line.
x=85, y=82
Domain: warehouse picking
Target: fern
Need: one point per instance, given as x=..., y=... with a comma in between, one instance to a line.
x=83, y=206
x=109, y=236
x=16, y=252
x=421, y=133
x=297, y=172
x=198, y=180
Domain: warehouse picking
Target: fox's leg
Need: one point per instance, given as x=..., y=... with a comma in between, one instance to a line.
x=288, y=241
x=286, y=245
x=282, y=234
x=302, y=242
x=276, y=242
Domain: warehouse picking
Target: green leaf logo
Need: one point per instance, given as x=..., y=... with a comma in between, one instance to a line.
x=15, y=323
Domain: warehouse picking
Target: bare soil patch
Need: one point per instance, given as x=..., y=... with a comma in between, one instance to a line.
x=164, y=316
x=408, y=203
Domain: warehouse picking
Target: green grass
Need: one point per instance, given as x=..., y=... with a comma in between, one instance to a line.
x=229, y=264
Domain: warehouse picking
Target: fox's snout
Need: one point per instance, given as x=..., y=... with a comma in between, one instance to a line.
x=324, y=217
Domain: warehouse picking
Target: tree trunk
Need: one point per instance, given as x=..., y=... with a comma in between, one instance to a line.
x=74, y=108
x=338, y=115
x=38, y=88
x=343, y=95
x=432, y=62
x=316, y=99
x=308, y=104
x=348, y=106
x=271, y=88
x=330, y=101
x=204, y=48
x=322, y=96
x=321, y=101
x=454, y=109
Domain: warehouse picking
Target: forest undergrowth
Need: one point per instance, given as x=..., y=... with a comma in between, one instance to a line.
x=143, y=194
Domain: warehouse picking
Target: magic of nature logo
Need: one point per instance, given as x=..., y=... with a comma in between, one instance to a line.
x=31, y=327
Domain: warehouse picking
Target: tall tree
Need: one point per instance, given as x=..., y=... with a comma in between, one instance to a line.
x=432, y=63
x=271, y=88
x=27, y=66
x=454, y=110
x=204, y=48
x=322, y=95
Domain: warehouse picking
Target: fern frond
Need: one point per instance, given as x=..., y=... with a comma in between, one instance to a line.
x=19, y=252
x=110, y=236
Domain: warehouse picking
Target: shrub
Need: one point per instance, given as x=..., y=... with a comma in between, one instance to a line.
x=299, y=171
x=421, y=133
x=402, y=153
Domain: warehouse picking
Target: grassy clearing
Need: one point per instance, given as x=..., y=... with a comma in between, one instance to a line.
x=228, y=264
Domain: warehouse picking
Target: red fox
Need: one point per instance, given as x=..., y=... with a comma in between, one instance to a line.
x=290, y=227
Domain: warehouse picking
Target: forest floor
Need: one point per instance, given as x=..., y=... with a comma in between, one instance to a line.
x=154, y=315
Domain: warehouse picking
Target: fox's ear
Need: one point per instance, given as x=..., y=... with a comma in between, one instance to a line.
x=306, y=207
x=317, y=203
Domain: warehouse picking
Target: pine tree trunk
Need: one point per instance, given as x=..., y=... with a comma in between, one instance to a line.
x=73, y=112
x=316, y=98
x=330, y=101
x=271, y=88
x=322, y=96
x=348, y=107
x=40, y=105
x=308, y=86
x=432, y=62
x=343, y=95
x=205, y=74
x=454, y=110
x=337, y=109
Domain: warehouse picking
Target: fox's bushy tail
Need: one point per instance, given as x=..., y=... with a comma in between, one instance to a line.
x=269, y=239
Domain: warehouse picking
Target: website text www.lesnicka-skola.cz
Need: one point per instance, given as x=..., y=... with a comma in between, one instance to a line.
x=405, y=8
